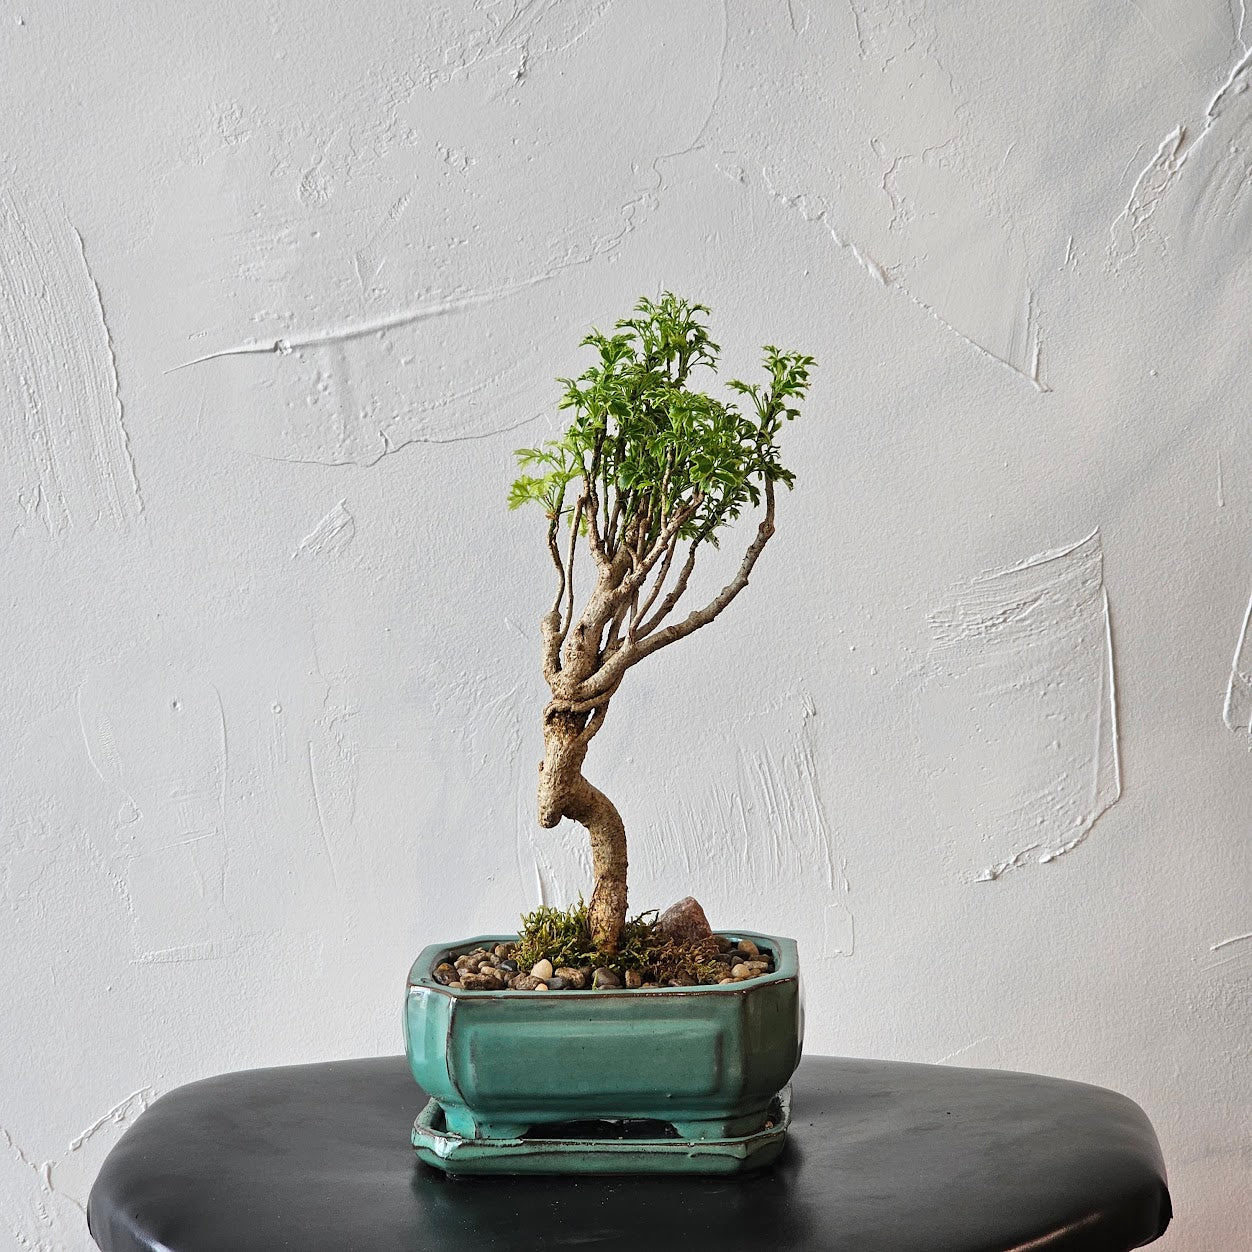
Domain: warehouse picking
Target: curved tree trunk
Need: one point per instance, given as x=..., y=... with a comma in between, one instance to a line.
x=564, y=792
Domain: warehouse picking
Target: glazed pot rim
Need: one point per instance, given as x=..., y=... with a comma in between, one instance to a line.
x=786, y=969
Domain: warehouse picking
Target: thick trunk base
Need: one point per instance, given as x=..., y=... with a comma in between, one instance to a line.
x=564, y=792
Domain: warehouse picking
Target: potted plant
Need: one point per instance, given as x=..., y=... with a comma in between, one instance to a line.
x=586, y=1016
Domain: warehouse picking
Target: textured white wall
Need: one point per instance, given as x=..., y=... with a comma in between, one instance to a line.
x=282, y=286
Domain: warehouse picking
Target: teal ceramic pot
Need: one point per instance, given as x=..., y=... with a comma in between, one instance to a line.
x=707, y=1060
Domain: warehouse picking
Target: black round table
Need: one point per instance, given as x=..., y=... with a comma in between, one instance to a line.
x=882, y=1157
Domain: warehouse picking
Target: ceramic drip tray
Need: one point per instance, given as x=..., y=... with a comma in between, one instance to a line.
x=600, y=1147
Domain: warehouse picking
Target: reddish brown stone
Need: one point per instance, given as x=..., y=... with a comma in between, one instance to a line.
x=684, y=922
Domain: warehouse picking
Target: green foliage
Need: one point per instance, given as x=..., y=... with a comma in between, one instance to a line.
x=642, y=439
x=563, y=936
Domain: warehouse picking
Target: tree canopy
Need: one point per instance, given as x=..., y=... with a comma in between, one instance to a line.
x=649, y=462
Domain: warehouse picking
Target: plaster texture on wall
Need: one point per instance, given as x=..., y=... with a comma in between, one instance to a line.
x=1020, y=669
x=1238, y=710
x=66, y=447
x=280, y=291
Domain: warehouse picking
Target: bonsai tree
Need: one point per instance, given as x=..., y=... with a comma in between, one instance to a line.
x=635, y=492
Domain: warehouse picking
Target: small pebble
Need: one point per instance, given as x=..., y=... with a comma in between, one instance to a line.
x=542, y=969
x=543, y=986
x=509, y=965
x=445, y=973
x=740, y=971
x=605, y=978
x=648, y=985
x=500, y=951
x=556, y=983
x=574, y=979
x=480, y=982
x=525, y=982
x=462, y=961
x=457, y=986
x=723, y=981
x=748, y=948
x=634, y=978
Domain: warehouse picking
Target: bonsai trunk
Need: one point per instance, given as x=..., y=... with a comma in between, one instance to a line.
x=564, y=792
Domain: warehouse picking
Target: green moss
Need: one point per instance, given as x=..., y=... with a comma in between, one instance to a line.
x=563, y=936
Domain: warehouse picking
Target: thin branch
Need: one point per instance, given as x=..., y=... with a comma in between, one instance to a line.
x=614, y=520
x=575, y=522
x=591, y=513
x=556, y=559
x=675, y=594
x=610, y=495
x=603, y=538
x=666, y=478
x=639, y=613
x=620, y=513
x=594, y=722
